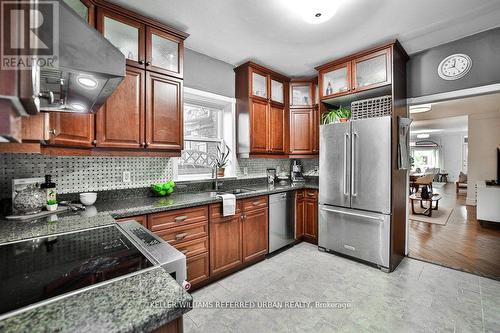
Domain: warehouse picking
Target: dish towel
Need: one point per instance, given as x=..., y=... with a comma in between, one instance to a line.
x=228, y=204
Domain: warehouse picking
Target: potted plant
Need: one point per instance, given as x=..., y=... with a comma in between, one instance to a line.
x=343, y=115
x=222, y=159
x=51, y=205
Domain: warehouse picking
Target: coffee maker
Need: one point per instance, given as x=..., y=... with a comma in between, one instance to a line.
x=296, y=172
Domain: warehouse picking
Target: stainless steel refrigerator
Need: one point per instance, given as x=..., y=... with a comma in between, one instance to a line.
x=355, y=189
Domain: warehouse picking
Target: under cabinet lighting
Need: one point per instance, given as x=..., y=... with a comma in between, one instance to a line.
x=420, y=108
x=423, y=136
x=87, y=82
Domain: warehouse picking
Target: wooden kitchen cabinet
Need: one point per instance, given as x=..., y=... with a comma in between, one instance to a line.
x=120, y=121
x=302, y=131
x=164, y=119
x=255, y=236
x=311, y=216
x=164, y=52
x=301, y=94
x=198, y=268
x=262, y=112
x=225, y=243
x=359, y=72
x=299, y=215
x=72, y=129
x=142, y=219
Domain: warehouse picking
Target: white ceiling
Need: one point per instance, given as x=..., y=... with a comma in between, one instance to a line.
x=267, y=32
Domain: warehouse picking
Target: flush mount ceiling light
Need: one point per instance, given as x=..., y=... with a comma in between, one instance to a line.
x=313, y=11
x=86, y=82
x=423, y=136
x=420, y=108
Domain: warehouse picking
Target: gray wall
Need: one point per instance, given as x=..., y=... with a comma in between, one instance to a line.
x=484, y=50
x=205, y=73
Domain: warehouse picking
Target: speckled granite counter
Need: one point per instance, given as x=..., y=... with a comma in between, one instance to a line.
x=13, y=230
x=147, y=205
x=140, y=303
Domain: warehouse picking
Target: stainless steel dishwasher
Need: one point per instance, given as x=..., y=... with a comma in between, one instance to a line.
x=281, y=220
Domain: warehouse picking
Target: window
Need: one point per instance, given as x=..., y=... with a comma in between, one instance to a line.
x=209, y=122
x=425, y=159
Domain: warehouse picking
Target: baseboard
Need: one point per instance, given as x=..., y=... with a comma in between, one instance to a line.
x=470, y=202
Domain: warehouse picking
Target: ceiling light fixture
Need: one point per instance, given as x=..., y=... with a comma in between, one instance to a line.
x=313, y=11
x=420, y=108
x=423, y=136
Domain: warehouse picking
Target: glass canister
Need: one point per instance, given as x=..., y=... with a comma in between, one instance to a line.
x=30, y=200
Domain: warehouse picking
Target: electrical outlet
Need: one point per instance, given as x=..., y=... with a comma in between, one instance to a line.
x=316, y=168
x=126, y=177
x=245, y=171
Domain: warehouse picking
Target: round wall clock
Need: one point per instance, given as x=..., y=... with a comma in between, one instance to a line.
x=454, y=66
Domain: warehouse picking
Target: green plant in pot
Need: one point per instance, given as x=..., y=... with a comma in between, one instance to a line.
x=343, y=114
x=222, y=159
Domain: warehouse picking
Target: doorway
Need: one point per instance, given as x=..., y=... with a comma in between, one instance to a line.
x=452, y=149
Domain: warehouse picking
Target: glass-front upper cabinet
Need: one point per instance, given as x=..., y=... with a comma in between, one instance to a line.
x=336, y=80
x=277, y=91
x=84, y=9
x=373, y=70
x=124, y=33
x=301, y=95
x=163, y=52
x=259, y=85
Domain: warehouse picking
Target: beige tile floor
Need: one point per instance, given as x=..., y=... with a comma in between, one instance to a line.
x=417, y=297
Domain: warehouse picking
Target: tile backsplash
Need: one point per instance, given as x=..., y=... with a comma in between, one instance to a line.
x=95, y=173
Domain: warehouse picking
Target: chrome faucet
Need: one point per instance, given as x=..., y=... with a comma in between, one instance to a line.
x=215, y=177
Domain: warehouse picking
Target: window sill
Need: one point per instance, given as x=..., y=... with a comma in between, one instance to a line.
x=201, y=179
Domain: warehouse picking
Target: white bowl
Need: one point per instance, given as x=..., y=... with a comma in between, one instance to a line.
x=88, y=199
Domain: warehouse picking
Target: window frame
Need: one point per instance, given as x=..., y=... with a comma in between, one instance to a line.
x=227, y=105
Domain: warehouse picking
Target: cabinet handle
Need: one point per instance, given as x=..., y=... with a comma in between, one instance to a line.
x=256, y=203
x=310, y=194
x=148, y=144
x=181, y=236
x=141, y=62
x=148, y=63
x=94, y=142
x=53, y=131
x=180, y=218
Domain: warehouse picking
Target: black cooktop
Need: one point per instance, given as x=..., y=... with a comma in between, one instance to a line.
x=36, y=270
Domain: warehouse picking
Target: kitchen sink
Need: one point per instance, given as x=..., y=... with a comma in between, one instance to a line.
x=238, y=191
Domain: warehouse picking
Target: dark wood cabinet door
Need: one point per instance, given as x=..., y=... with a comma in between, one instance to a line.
x=335, y=81
x=255, y=235
x=126, y=34
x=299, y=214
x=164, y=126
x=276, y=129
x=316, y=123
x=372, y=71
x=197, y=268
x=311, y=219
x=71, y=129
x=120, y=121
x=301, y=131
x=225, y=244
x=142, y=219
x=258, y=126
x=164, y=52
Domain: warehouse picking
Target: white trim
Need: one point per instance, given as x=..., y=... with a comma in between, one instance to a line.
x=470, y=92
x=208, y=95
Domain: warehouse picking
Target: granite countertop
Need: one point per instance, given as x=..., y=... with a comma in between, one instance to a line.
x=139, y=303
x=119, y=208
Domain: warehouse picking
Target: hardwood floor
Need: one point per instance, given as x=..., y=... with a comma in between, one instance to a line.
x=462, y=243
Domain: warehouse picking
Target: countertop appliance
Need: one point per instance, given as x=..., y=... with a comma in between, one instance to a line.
x=355, y=189
x=281, y=220
x=83, y=73
x=40, y=270
x=296, y=173
x=271, y=176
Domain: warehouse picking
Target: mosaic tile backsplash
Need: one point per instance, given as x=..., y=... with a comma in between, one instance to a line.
x=81, y=174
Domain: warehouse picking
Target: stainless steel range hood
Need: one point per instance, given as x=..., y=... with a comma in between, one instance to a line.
x=88, y=70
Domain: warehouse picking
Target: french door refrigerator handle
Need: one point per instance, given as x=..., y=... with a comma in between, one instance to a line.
x=352, y=214
x=353, y=167
x=346, y=142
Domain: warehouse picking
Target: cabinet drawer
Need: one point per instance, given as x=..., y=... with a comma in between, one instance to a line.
x=216, y=210
x=197, y=268
x=311, y=194
x=142, y=219
x=193, y=247
x=179, y=217
x=255, y=203
x=184, y=233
